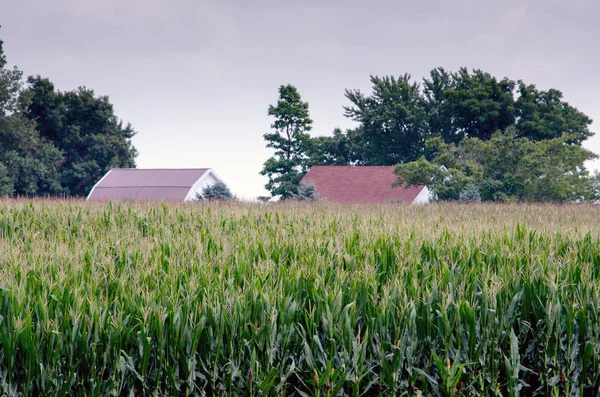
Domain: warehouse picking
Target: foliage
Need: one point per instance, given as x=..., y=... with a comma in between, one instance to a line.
x=399, y=116
x=56, y=143
x=29, y=164
x=504, y=168
x=470, y=194
x=306, y=192
x=32, y=162
x=341, y=148
x=392, y=119
x=471, y=105
x=6, y=182
x=544, y=115
x=594, y=186
x=218, y=191
x=291, y=142
x=85, y=128
x=10, y=84
x=287, y=299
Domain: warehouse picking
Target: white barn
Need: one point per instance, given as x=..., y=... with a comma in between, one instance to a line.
x=159, y=184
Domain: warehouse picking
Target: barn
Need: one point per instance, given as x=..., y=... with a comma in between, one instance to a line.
x=163, y=184
x=362, y=184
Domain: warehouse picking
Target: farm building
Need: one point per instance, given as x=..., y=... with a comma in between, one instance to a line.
x=362, y=184
x=135, y=184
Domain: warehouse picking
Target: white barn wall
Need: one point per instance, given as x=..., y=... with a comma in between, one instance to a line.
x=208, y=179
x=424, y=197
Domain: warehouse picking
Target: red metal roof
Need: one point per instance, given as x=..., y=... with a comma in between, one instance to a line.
x=146, y=184
x=360, y=184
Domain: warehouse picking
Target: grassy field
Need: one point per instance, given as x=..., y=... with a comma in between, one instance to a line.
x=307, y=300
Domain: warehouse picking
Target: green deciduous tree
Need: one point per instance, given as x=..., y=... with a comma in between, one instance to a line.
x=10, y=84
x=503, y=168
x=85, y=128
x=31, y=162
x=28, y=163
x=544, y=115
x=339, y=149
x=392, y=120
x=291, y=142
x=477, y=103
x=399, y=116
x=6, y=183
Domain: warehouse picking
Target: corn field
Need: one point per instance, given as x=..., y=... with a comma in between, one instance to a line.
x=304, y=300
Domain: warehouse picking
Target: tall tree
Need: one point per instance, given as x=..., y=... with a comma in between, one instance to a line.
x=10, y=84
x=291, y=142
x=399, y=116
x=28, y=163
x=544, y=115
x=339, y=149
x=32, y=163
x=85, y=128
x=479, y=104
x=392, y=120
x=440, y=118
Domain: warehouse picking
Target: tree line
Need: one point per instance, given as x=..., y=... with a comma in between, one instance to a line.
x=457, y=132
x=56, y=143
x=464, y=134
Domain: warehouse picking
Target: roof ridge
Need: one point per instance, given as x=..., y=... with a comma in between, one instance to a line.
x=160, y=169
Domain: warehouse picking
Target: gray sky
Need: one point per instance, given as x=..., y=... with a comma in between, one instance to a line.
x=195, y=77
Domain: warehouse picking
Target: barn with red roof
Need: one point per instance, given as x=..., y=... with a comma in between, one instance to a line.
x=362, y=184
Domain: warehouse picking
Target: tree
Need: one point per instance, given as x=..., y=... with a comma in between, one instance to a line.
x=339, y=149
x=306, y=192
x=31, y=162
x=544, y=115
x=10, y=84
x=505, y=168
x=85, y=128
x=291, y=142
x=399, y=116
x=6, y=183
x=28, y=163
x=479, y=104
x=594, y=186
x=440, y=120
x=392, y=120
x=218, y=191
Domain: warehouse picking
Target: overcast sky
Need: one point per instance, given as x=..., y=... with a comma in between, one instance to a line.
x=195, y=77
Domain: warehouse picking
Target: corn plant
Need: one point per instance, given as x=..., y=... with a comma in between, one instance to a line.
x=229, y=299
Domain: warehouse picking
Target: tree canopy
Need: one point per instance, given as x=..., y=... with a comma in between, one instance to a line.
x=497, y=139
x=504, y=168
x=29, y=164
x=392, y=120
x=56, y=142
x=400, y=115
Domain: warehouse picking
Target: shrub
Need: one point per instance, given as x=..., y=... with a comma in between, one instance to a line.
x=470, y=194
x=218, y=191
x=306, y=192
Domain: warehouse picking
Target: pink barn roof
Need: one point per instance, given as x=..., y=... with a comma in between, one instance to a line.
x=134, y=184
x=360, y=184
